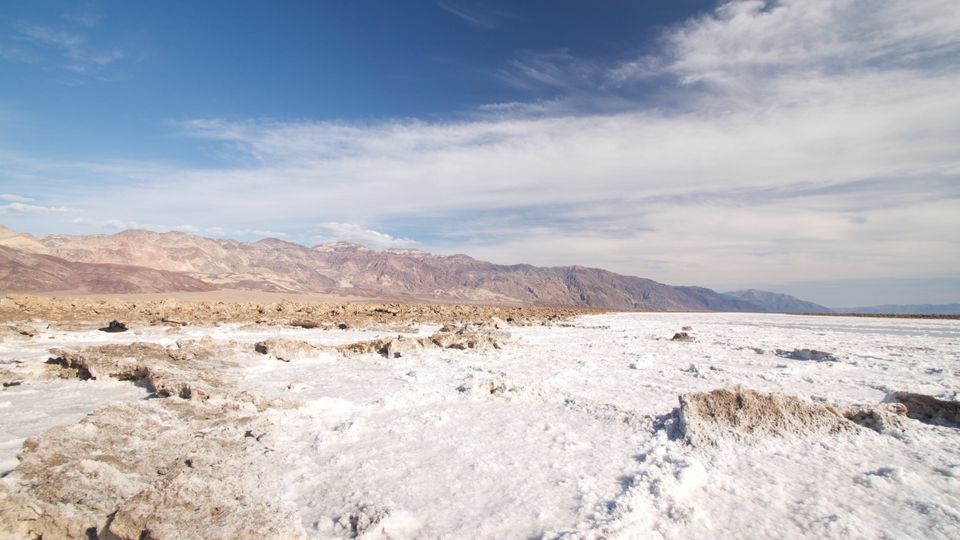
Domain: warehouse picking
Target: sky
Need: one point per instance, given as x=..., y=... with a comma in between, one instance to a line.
x=801, y=146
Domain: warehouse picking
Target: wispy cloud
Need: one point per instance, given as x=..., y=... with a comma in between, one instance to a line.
x=113, y=224
x=476, y=14
x=784, y=162
x=69, y=45
x=10, y=197
x=15, y=54
x=556, y=70
x=19, y=209
x=83, y=19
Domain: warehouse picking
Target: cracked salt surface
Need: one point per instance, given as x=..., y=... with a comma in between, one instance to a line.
x=567, y=445
x=37, y=405
x=561, y=433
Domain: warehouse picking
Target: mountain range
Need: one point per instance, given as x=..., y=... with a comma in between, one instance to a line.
x=909, y=309
x=778, y=303
x=144, y=261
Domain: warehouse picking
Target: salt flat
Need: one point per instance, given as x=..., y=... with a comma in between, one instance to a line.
x=566, y=430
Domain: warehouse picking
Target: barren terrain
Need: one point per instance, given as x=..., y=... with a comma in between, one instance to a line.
x=285, y=420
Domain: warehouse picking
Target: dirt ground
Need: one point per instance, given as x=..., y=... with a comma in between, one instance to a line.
x=215, y=308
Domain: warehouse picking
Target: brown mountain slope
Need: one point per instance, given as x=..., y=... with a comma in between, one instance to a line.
x=343, y=268
x=21, y=271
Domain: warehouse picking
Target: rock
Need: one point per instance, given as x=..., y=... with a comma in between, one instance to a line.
x=401, y=346
x=687, y=328
x=286, y=350
x=17, y=333
x=681, y=336
x=304, y=324
x=807, y=354
x=738, y=414
x=927, y=409
x=114, y=326
x=361, y=522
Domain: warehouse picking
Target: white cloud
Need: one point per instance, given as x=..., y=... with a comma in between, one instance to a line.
x=348, y=232
x=20, y=209
x=749, y=41
x=265, y=233
x=14, y=198
x=816, y=140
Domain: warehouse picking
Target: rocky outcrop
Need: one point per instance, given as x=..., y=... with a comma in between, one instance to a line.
x=740, y=414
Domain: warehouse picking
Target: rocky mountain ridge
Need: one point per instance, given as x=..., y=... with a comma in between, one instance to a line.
x=342, y=268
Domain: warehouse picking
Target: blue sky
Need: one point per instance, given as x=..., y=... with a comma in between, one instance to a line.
x=791, y=145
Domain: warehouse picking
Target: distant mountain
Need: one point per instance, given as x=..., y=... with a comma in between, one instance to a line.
x=911, y=309
x=778, y=303
x=354, y=270
x=32, y=272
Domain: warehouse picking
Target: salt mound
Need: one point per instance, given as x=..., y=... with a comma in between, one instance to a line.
x=468, y=336
x=928, y=408
x=739, y=414
x=286, y=350
x=191, y=370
